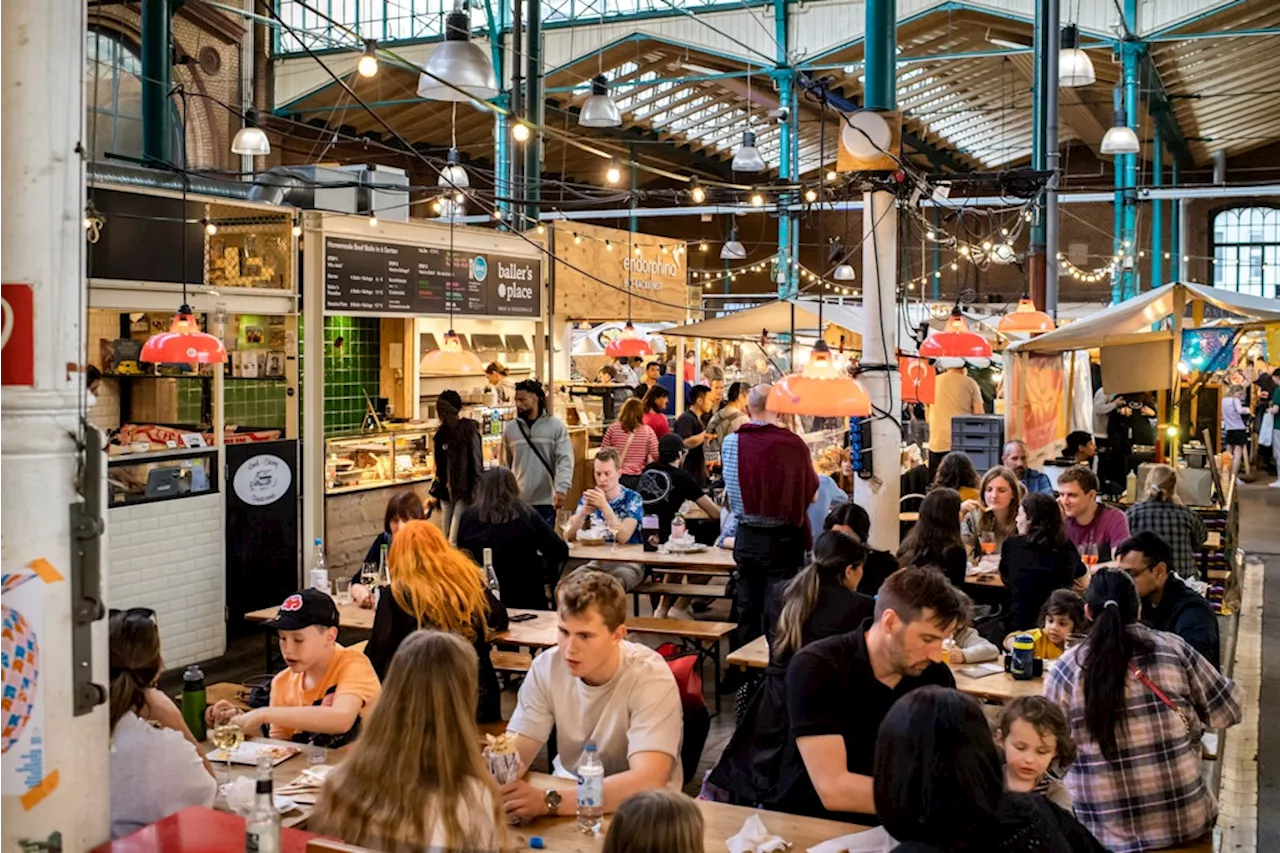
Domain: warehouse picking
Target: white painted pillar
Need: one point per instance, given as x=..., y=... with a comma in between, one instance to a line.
x=879, y=495
x=56, y=782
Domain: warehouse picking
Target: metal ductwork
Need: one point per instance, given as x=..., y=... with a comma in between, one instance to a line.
x=358, y=189
x=1220, y=167
x=293, y=185
x=139, y=176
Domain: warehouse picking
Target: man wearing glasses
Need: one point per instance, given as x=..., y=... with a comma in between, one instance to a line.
x=1168, y=604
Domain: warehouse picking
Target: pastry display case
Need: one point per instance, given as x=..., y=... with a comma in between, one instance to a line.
x=376, y=459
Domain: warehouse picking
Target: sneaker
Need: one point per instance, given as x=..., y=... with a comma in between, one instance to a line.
x=1276, y=484
x=681, y=613
x=660, y=612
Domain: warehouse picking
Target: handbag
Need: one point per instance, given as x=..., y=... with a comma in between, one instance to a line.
x=1266, y=430
x=1160, y=694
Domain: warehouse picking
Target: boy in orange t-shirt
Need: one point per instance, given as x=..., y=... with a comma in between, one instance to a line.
x=326, y=689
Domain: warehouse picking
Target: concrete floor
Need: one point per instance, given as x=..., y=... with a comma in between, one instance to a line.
x=1260, y=537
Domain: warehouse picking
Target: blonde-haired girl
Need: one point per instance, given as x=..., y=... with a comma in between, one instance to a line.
x=434, y=585
x=416, y=778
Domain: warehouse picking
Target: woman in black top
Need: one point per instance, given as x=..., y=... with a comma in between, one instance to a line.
x=939, y=785
x=459, y=458
x=500, y=521
x=1038, y=560
x=434, y=585
x=405, y=506
x=849, y=518
x=935, y=539
x=820, y=602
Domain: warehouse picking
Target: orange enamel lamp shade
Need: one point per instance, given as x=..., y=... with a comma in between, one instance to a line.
x=819, y=389
x=628, y=344
x=184, y=343
x=955, y=341
x=1026, y=318
x=451, y=359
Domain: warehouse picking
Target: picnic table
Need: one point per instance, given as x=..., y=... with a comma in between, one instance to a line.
x=197, y=829
x=711, y=561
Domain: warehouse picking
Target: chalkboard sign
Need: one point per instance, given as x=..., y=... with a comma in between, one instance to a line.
x=388, y=278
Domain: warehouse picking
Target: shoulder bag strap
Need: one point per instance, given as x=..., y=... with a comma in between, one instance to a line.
x=528, y=437
x=1160, y=694
x=631, y=436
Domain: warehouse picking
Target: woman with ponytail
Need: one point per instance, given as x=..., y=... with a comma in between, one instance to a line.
x=821, y=601
x=1138, y=701
x=156, y=767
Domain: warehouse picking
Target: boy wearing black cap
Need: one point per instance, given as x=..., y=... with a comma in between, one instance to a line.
x=326, y=688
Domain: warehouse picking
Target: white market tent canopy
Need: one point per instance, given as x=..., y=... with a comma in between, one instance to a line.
x=1139, y=315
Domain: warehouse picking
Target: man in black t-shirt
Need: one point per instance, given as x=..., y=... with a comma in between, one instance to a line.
x=839, y=689
x=690, y=427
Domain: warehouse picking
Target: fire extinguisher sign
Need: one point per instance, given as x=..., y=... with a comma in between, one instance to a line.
x=17, y=335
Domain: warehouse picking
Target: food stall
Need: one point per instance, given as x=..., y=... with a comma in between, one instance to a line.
x=202, y=486
x=379, y=302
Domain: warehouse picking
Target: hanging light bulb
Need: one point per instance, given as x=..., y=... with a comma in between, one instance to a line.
x=696, y=192
x=520, y=132
x=702, y=246
x=810, y=195
x=453, y=174
x=831, y=175
x=747, y=158
x=757, y=199
x=451, y=359
x=297, y=230
x=614, y=172
x=1120, y=138
x=600, y=110
x=608, y=246
x=541, y=229
x=1026, y=318
x=184, y=343
x=373, y=222
x=629, y=343
x=733, y=250
x=1075, y=68
x=250, y=140
x=577, y=239
x=210, y=228
x=458, y=69
x=1004, y=253
x=955, y=341
x=819, y=389
x=844, y=272
x=368, y=64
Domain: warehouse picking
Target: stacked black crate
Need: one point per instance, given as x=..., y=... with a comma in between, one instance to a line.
x=980, y=437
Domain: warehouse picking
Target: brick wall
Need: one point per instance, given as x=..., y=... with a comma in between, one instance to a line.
x=168, y=556
x=352, y=521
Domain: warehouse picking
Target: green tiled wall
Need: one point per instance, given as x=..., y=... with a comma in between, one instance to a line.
x=190, y=396
x=350, y=374
x=255, y=402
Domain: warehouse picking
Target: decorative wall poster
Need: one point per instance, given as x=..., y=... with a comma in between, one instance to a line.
x=1207, y=350
x=23, y=770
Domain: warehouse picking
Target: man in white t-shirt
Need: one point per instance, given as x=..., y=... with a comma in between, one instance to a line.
x=596, y=686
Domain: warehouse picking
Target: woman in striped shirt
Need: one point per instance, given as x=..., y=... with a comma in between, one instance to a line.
x=635, y=441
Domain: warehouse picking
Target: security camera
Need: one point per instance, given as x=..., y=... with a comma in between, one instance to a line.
x=780, y=115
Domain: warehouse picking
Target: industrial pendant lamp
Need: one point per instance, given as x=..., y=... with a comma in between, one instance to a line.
x=184, y=343
x=733, y=250
x=843, y=272
x=1075, y=68
x=600, y=110
x=955, y=341
x=747, y=158
x=1120, y=138
x=820, y=388
x=458, y=64
x=368, y=64
x=250, y=140
x=453, y=174
x=630, y=342
x=1026, y=318
x=450, y=359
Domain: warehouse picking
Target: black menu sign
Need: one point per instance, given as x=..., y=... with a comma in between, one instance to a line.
x=388, y=278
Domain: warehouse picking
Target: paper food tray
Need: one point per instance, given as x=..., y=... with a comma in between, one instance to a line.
x=247, y=753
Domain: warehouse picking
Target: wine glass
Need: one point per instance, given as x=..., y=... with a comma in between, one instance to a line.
x=987, y=541
x=369, y=576
x=1089, y=554
x=614, y=530
x=227, y=737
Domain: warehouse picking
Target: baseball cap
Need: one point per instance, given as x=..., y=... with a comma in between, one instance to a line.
x=670, y=446
x=303, y=608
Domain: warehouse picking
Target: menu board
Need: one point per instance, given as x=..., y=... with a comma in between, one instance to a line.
x=389, y=278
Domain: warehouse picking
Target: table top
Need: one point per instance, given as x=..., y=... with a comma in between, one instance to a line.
x=754, y=655
x=540, y=632
x=283, y=773
x=722, y=821
x=349, y=616
x=984, y=579
x=712, y=557
x=197, y=829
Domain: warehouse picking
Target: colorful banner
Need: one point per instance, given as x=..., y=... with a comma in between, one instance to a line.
x=1207, y=350
x=1273, y=344
x=1036, y=409
x=918, y=378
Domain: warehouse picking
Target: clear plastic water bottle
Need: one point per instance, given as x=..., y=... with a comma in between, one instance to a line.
x=491, y=577
x=590, y=790
x=319, y=574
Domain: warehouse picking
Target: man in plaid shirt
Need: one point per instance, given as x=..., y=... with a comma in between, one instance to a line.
x=1150, y=794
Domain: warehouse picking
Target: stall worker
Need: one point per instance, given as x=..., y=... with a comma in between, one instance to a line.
x=500, y=391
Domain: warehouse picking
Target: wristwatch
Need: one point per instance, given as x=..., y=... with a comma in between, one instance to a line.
x=552, y=801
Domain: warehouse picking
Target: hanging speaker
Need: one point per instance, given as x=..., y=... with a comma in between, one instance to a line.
x=870, y=141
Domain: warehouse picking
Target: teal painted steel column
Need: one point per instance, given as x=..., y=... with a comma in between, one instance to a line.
x=1117, y=213
x=1175, y=227
x=157, y=65
x=1131, y=50
x=784, y=78
x=1157, y=212
x=535, y=109
x=881, y=42
x=1039, y=160
x=501, y=127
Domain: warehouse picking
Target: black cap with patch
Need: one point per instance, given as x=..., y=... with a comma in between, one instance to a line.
x=304, y=608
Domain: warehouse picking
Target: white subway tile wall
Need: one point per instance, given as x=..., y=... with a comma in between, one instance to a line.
x=169, y=556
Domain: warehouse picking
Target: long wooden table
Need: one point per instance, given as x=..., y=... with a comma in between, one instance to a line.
x=721, y=819
x=283, y=773
x=712, y=561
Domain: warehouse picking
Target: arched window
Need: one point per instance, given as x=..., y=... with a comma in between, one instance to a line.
x=112, y=96
x=1246, y=250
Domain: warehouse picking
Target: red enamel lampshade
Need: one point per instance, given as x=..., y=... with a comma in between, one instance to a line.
x=184, y=343
x=819, y=389
x=628, y=344
x=451, y=359
x=1025, y=318
x=955, y=341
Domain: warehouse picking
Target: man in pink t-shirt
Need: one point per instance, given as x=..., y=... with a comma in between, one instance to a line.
x=1087, y=521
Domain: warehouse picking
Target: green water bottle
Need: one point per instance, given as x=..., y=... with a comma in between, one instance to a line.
x=194, y=701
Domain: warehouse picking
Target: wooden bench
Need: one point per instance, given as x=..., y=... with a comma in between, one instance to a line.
x=694, y=590
x=702, y=638
x=713, y=571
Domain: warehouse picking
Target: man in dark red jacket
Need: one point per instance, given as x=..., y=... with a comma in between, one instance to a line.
x=769, y=476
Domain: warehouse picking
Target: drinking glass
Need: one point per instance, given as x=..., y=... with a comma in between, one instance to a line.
x=369, y=576
x=227, y=737
x=987, y=541
x=613, y=536
x=1072, y=641
x=315, y=754
x=342, y=588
